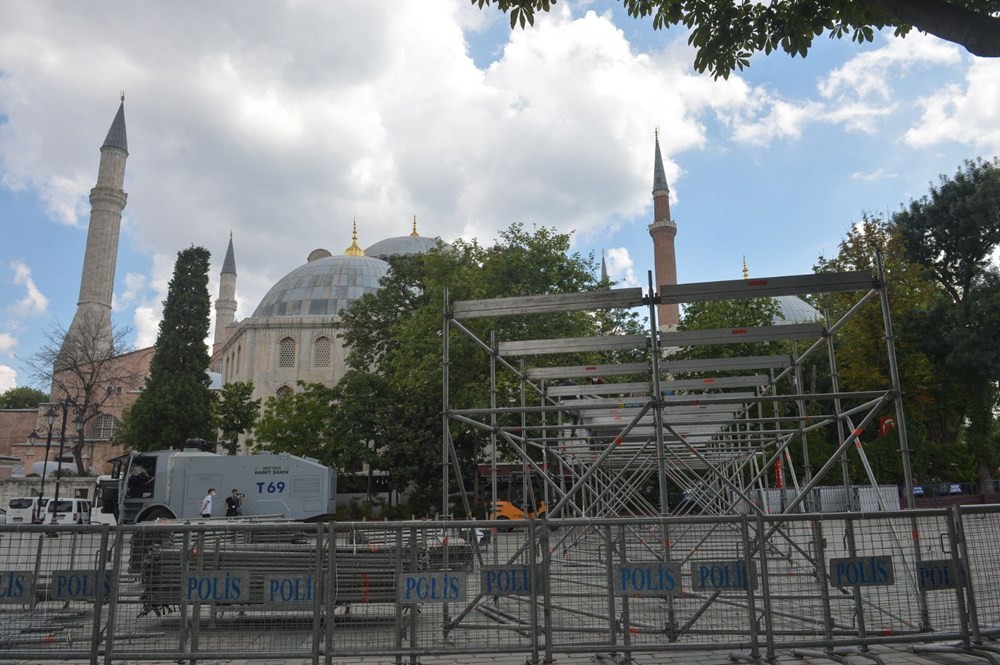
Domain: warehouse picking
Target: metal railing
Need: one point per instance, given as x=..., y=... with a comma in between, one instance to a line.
x=755, y=585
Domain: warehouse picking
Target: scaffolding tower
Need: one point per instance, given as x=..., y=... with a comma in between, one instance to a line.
x=721, y=430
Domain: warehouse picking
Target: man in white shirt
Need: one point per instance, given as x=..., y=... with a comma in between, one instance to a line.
x=206, y=503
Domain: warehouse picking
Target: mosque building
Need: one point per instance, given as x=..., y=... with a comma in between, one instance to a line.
x=292, y=335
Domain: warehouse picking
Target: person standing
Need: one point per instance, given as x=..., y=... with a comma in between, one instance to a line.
x=234, y=504
x=206, y=503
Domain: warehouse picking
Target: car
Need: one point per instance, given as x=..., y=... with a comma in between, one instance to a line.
x=68, y=511
x=25, y=509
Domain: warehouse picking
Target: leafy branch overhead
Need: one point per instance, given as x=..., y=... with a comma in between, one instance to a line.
x=726, y=34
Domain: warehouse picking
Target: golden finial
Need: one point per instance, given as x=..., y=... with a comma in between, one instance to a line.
x=123, y=95
x=354, y=250
x=746, y=273
x=414, y=234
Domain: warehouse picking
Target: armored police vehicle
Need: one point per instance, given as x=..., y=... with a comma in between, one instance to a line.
x=171, y=484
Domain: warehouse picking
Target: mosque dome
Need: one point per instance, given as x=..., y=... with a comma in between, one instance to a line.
x=323, y=286
x=795, y=310
x=402, y=245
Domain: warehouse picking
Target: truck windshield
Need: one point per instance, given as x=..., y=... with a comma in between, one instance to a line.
x=141, y=478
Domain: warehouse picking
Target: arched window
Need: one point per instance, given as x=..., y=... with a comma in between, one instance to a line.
x=105, y=426
x=321, y=352
x=283, y=391
x=286, y=352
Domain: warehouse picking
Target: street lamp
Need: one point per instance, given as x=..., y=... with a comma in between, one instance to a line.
x=50, y=418
x=78, y=423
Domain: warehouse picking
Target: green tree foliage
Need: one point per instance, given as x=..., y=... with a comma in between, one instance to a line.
x=719, y=314
x=862, y=361
x=235, y=413
x=22, y=397
x=953, y=233
x=297, y=422
x=175, y=404
x=726, y=34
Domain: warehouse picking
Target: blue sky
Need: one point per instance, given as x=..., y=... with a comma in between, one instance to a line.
x=283, y=122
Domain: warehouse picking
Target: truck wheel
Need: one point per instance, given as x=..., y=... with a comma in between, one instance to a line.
x=157, y=514
x=503, y=528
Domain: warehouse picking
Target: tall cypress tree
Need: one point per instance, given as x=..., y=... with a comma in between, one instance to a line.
x=175, y=404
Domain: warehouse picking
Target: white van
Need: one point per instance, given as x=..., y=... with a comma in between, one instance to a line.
x=22, y=509
x=68, y=511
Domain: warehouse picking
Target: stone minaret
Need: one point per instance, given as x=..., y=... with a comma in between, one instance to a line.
x=225, y=306
x=663, y=230
x=92, y=320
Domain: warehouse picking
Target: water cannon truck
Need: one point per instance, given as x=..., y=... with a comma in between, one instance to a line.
x=171, y=484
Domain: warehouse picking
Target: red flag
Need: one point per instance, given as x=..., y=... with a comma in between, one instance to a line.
x=885, y=425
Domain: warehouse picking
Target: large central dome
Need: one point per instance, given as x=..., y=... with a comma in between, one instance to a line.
x=323, y=286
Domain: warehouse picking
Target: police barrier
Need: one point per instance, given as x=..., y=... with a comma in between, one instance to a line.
x=759, y=585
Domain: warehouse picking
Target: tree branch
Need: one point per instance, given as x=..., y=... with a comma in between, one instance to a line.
x=978, y=32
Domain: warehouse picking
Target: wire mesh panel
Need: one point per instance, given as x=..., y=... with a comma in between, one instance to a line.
x=218, y=589
x=980, y=526
x=54, y=590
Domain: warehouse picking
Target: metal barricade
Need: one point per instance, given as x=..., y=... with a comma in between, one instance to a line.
x=811, y=584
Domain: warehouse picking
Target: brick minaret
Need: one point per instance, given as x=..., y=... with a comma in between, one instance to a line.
x=107, y=200
x=225, y=306
x=663, y=230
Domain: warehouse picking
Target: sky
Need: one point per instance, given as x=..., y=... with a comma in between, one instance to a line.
x=283, y=122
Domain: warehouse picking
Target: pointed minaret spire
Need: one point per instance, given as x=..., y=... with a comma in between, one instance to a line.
x=746, y=273
x=663, y=231
x=414, y=234
x=604, y=268
x=92, y=321
x=225, y=305
x=354, y=250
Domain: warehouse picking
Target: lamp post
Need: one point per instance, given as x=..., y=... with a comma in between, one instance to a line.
x=50, y=418
x=78, y=423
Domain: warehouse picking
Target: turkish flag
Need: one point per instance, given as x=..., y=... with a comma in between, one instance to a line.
x=885, y=425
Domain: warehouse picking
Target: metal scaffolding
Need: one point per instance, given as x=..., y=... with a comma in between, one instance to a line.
x=720, y=430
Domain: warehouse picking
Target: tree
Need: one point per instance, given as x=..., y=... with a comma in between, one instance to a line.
x=395, y=349
x=726, y=34
x=89, y=369
x=22, y=397
x=862, y=362
x=954, y=233
x=297, y=423
x=175, y=404
x=235, y=413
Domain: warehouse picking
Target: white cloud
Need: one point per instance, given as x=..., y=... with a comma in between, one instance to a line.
x=621, y=267
x=8, y=378
x=871, y=73
x=371, y=111
x=34, y=301
x=780, y=120
x=969, y=115
x=146, y=321
x=8, y=375
x=877, y=174
x=135, y=288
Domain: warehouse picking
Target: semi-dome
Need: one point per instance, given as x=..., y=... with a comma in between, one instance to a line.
x=323, y=286
x=402, y=245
